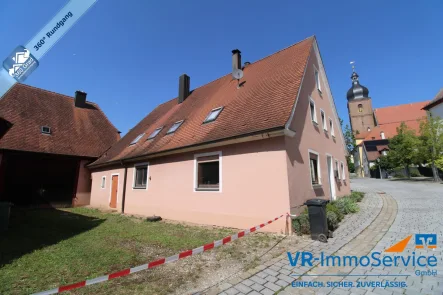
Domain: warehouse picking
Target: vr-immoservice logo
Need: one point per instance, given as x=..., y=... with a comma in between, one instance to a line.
x=20, y=63
x=422, y=241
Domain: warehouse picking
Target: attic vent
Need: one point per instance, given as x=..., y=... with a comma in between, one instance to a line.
x=46, y=130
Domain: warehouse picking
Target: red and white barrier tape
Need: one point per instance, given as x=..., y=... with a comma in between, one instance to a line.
x=158, y=262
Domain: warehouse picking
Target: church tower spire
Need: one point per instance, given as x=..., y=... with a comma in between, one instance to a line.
x=360, y=110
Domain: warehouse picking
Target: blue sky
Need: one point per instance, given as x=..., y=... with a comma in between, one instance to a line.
x=128, y=55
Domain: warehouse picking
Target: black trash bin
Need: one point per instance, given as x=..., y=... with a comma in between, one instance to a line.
x=317, y=219
x=4, y=215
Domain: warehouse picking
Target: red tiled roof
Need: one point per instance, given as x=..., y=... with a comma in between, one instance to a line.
x=382, y=148
x=85, y=132
x=390, y=130
x=390, y=118
x=438, y=99
x=373, y=155
x=264, y=102
x=400, y=113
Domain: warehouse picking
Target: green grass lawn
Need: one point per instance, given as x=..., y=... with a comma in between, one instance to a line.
x=46, y=248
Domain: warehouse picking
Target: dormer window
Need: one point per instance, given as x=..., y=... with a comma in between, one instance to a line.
x=136, y=139
x=46, y=130
x=175, y=127
x=154, y=134
x=213, y=115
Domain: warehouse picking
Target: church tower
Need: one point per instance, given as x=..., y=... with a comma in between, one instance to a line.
x=360, y=109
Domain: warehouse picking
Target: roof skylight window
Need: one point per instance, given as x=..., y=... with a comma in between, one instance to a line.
x=46, y=130
x=136, y=139
x=175, y=127
x=213, y=115
x=154, y=134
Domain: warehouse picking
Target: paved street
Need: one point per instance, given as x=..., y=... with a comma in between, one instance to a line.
x=391, y=211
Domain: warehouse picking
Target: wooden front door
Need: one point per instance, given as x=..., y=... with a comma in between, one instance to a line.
x=114, y=188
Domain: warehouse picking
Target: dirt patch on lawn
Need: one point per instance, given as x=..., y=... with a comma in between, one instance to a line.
x=232, y=259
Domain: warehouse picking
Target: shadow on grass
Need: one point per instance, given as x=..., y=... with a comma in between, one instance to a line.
x=33, y=229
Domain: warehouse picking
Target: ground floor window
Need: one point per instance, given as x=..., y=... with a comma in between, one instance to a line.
x=141, y=176
x=208, y=172
x=103, y=184
x=314, y=168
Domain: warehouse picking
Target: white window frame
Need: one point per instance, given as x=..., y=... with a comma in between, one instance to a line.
x=343, y=173
x=331, y=125
x=314, y=120
x=219, y=109
x=317, y=79
x=147, y=176
x=152, y=137
x=318, y=168
x=44, y=132
x=323, y=118
x=178, y=122
x=137, y=139
x=103, y=182
x=110, y=190
x=337, y=166
x=220, y=170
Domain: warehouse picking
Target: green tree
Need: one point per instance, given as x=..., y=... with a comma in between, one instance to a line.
x=404, y=148
x=350, y=145
x=431, y=143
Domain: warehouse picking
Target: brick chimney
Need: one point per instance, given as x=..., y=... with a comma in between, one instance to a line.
x=80, y=99
x=183, y=87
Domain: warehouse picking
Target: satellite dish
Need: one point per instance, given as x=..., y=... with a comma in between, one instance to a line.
x=237, y=74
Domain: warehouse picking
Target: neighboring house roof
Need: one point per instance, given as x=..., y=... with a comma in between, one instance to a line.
x=381, y=148
x=75, y=131
x=390, y=118
x=400, y=113
x=361, y=135
x=373, y=155
x=438, y=99
x=263, y=103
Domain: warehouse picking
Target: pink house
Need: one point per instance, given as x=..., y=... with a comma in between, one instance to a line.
x=232, y=152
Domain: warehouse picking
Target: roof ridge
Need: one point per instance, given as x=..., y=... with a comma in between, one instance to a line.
x=53, y=92
x=221, y=77
x=72, y=98
x=313, y=36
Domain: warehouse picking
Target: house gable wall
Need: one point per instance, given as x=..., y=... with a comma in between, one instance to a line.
x=310, y=136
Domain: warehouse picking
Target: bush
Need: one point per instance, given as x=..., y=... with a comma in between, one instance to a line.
x=346, y=205
x=357, y=196
x=415, y=173
x=332, y=220
x=330, y=207
x=301, y=224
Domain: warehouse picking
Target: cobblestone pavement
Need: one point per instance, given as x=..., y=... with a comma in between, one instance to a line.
x=276, y=273
x=420, y=210
x=391, y=211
